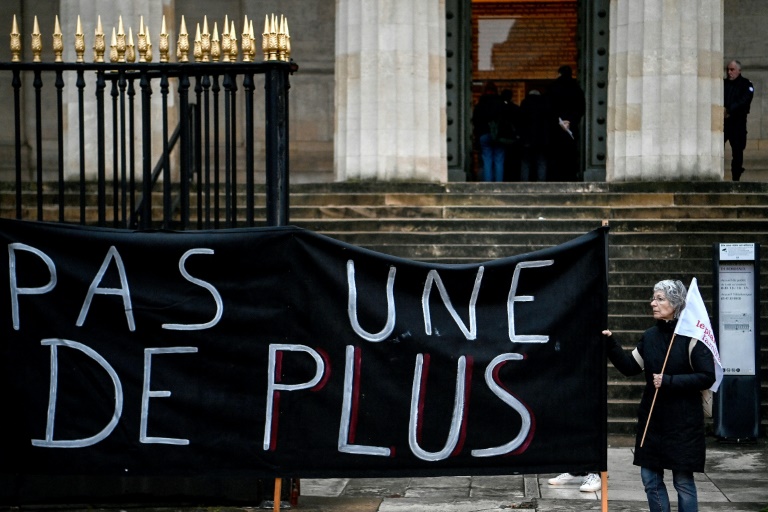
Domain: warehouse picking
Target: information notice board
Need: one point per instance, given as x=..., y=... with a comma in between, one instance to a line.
x=736, y=308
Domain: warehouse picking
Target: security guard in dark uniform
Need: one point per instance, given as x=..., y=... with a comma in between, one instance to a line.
x=738, y=97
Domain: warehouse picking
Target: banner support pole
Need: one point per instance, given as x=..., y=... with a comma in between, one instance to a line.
x=278, y=492
x=604, y=474
x=604, y=491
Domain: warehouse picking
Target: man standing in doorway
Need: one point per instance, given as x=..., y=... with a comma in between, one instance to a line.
x=566, y=98
x=738, y=97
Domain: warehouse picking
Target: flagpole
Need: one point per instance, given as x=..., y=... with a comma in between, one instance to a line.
x=648, y=421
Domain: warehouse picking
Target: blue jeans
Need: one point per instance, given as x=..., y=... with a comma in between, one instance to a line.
x=533, y=167
x=656, y=491
x=493, y=158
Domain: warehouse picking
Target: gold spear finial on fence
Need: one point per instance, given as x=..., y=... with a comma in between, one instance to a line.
x=232, y=43
x=120, y=41
x=287, y=42
x=273, y=38
x=252, y=40
x=98, y=42
x=208, y=46
x=225, y=45
x=58, y=45
x=15, y=41
x=142, y=40
x=79, y=41
x=130, y=49
x=183, y=42
x=245, y=42
x=282, y=39
x=148, y=52
x=163, y=41
x=37, y=41
x=205, y=42
x=198, y=48
x=265, y=38
x=215, y=43
x=113, y=47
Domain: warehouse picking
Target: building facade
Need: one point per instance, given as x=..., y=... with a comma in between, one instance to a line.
x=384, y=87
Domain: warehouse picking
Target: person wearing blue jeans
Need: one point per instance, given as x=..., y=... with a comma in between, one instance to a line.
x=489, y=127
x=656, y=491
x=676, y=369
x=493, y=158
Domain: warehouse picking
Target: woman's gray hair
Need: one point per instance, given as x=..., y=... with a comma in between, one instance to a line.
x=675, y=292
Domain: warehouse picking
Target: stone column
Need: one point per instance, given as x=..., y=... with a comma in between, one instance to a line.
x=390, y=90
x=665, y=97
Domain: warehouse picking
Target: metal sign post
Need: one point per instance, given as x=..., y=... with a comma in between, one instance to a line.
x=736, y=310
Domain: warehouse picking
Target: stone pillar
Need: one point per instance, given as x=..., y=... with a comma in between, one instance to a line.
x=665, y=98
x=390, y=90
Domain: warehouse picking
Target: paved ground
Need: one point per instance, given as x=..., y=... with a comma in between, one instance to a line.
x=736, y=480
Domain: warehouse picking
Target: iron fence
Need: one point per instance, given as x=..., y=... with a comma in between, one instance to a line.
x=199, y=187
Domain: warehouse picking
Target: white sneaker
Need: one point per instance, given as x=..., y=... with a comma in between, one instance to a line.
x=561, y=479
x=591, y=483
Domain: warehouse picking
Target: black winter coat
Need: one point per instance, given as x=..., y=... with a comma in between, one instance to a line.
x=490, y=107
x=737, y=97
x=675, y=436
x=537, y=122
x=567, y=99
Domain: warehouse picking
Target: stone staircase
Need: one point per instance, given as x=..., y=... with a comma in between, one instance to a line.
x=657, y=231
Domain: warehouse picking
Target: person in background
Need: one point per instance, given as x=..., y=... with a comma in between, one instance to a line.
x=511, y=137
x=738, y=93
x=590, y=481
x=536, y=124
x=568, y=102
x=674, y=436
x=486, y=119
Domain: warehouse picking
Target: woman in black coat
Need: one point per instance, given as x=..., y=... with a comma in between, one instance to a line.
x=674, y=438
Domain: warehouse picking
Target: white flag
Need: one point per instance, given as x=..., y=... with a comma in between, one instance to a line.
x=694, y=322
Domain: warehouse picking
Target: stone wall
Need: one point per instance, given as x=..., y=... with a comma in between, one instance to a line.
x=311, y=26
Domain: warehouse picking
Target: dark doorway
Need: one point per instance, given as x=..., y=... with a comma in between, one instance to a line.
x=520, y=45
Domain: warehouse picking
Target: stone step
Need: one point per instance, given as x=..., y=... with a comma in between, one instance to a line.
x=626, y=307
x=466, y=247
x=521, y=211
x=654, y=252
x=617, y=265
x=622, y=425
x=689, y=228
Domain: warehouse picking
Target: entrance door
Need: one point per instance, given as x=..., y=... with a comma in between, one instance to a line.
x=520, y=45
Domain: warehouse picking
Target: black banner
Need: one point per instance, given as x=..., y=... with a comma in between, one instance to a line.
x=280, y=352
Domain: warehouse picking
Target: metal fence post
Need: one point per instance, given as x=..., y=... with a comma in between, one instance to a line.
x=276, y=108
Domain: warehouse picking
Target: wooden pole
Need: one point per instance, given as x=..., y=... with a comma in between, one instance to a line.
x=604, y=490
x=604, y=474
x=648, y=421
x=278, y=492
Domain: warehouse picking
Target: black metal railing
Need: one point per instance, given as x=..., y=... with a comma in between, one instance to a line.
x=198, y=184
